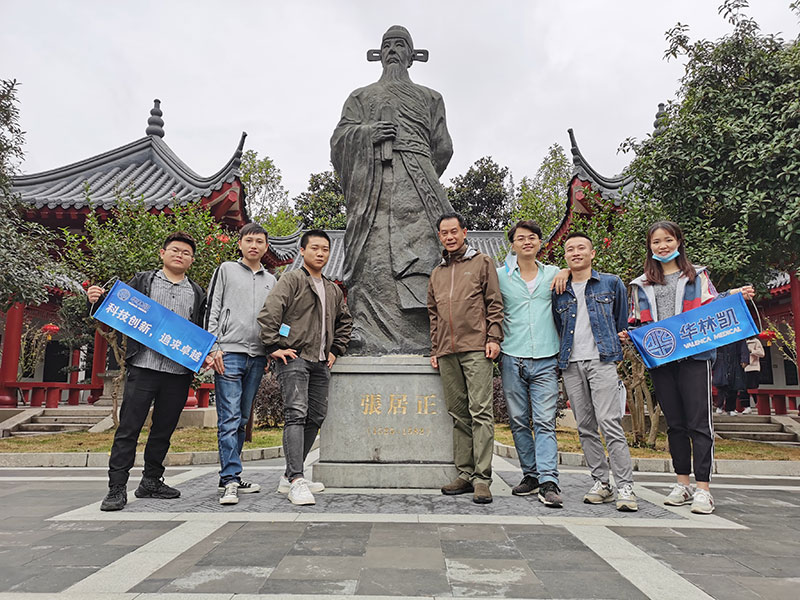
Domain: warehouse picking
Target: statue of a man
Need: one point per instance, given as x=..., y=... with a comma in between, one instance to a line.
x=389, y=148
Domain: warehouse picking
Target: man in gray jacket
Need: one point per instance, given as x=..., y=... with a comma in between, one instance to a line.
x=235, y=296
x=305, y=325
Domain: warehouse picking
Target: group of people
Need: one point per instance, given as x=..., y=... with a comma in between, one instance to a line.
x=535, y=319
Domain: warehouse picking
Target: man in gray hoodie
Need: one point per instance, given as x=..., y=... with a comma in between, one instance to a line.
x=235, y=296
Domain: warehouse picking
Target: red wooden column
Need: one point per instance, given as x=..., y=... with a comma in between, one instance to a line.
x=10, y=364
x=98, y=365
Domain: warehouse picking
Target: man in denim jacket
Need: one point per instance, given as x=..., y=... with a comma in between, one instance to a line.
x=589, y=315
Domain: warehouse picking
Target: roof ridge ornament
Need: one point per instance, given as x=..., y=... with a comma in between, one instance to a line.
x=155, y=124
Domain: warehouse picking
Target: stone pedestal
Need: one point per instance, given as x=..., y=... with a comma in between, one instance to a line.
x=387, y=425
x=106, y=398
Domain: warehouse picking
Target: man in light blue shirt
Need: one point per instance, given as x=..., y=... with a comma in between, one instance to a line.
x=528, y=361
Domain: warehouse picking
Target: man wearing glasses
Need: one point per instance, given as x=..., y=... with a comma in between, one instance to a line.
x=153, y=379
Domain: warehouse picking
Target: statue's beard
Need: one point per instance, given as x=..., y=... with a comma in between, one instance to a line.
x=395, y=72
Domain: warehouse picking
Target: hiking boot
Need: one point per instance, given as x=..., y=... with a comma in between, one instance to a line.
x=482, y=494
x=116, y=499
x=679, y=495
x=549, y=495
x=300, y=494
x=457, y=486
x=231, y=493
x=626, y=499
x=314, y=487
x=150, y=487
x=703, y=503
x=599, y=494
x=529, y=485
x=245, y=487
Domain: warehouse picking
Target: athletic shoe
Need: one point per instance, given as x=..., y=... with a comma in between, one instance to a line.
x=245, y=487
x=231, y=493
x=529, y=485
x=747, y=411
x=116, y=499
x=679, y=495
x=457, y=486
x=703, y=503
x=734, y=413
x=315, y=487
x=626, y=499
x=719, y=411
x=549, y=495
x=600, y=493
x=150, y=487
x=299, y=493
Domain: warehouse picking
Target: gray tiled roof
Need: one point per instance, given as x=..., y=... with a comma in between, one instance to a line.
x=493, y=243
x=147, y=167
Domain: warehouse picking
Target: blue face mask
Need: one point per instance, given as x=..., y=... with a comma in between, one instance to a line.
x=666, y=259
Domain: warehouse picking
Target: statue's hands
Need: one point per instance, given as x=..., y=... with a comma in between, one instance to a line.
x=381, y=131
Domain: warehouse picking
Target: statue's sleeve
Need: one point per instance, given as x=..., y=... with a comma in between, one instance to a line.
x=441, y=143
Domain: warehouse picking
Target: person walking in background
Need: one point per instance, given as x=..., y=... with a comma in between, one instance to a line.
x=235, y=296
x=671, y=284
x=589, y=315
x=729, y=375
x=466, y=320
x=752, y=372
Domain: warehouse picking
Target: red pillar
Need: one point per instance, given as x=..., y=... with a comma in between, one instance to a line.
x=10, y=364
x=37, y=397
x=98, y=365
x=53, y=397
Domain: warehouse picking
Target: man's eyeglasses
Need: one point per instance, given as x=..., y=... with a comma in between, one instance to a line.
x=179, y=252
x=526, y=238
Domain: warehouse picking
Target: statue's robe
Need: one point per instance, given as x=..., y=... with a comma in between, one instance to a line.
x=393, y=199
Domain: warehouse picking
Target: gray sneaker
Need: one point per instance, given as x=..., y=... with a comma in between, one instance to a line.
x=626, y=499
x=679, y=495
x=231, y=494
x=600, y=493
x=549, y=495
x=703, y=502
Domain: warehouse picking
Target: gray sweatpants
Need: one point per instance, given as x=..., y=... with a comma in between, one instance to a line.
x=592, y=389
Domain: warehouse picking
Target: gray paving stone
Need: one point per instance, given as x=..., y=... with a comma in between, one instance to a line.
x=489, y=571
x=52, y=579
x=268, y=554
x=415, y=535
x=531, y=546
x=573, y=583
x=330, y=568
x=402, y=582
x=559, y=560
x=80, y=556
x=712, y=564
x=488, y=533
x=387, y=557
x=772, y=588
x=724, y=586
x=240, y=580
x=480, y=549
x=345, y=587
x=500, y=590
x=150, y=586
x=15, y=556
x=768, y=566
x=330, y=547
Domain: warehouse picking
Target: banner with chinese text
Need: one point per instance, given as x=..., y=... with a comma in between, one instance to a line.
x=143, y=319
x=710, y=326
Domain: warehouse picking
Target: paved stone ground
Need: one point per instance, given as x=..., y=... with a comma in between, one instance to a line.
x=55, y=543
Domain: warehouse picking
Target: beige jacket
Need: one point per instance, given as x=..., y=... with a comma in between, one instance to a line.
x=464, y=303
x=756, y=352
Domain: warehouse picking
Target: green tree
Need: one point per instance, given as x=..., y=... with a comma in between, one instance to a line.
x=725, y=159
x=27, y=250
x=483, y=195
x=322, y=206
x=267, y=200
x=544, y=197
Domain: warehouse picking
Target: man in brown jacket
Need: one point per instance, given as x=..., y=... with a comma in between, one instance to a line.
x=305, y=325
x=466, y=315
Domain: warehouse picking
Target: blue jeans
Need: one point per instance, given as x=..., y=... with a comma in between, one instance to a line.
x=304, y=387
x=530, y=386
x=235, y=391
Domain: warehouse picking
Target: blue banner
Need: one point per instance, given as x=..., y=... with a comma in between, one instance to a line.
x=143, y=319
x=710, y=326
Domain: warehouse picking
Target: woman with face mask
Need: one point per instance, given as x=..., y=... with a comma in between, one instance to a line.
x=670, y=285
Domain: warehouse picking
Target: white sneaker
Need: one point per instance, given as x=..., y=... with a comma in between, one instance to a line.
x=626, y=499
x=679, y=495
x=231, y=494
x=703, y=503
x=315, y=487
x=299, y=493
x=600, y=493
x=719, y=411
x=734, y=413
x=747, y=411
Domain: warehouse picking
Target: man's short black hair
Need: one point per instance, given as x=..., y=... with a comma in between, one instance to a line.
x=528, y=224
x=313, y=233
x=180, y=236
x=253, y=229
x=576, y=234
x=451, y=215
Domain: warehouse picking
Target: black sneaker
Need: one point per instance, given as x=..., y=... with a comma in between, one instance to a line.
x=529, y=485
x=150, y=487
x=245, y=486
x=116, y=499
x=549, y=495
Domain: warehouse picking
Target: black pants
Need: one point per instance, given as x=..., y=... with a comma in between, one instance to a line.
x=167, y=393
x=727, y=397
x=683, y=390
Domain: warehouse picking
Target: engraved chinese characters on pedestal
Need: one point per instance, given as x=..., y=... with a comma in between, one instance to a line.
x=384, y=417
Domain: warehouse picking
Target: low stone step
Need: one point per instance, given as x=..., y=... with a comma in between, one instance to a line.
x=77, y=412
x=759, y=437
x=52, y=427
x=32, y=433
x=752, y=427
x=77, y=420
x=742, y=418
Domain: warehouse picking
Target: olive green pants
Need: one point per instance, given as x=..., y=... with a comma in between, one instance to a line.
x=467, y=384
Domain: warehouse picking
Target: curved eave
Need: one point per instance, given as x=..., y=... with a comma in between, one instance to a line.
x=608, y=187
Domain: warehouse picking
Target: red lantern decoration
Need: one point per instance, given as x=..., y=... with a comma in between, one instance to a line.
x=50, y=330
x=767, y=336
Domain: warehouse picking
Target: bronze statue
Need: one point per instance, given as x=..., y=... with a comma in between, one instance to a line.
x=390, y=148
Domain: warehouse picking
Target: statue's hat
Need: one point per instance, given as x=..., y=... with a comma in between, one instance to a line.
x=398, y=31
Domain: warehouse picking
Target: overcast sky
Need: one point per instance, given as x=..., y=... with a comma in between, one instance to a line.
x=515, y=75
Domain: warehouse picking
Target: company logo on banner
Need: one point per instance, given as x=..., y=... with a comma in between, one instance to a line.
x=143, y=319
x=710, y=326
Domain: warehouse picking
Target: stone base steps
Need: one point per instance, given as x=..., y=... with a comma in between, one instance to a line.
x=755, y=428
x=60, y=420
